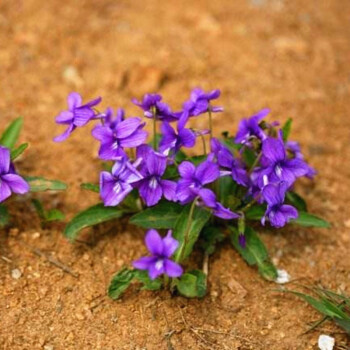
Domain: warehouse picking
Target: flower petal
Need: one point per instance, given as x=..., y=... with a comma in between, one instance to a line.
x=272, y=195
x=150, y=194
x=74, y=100
x=16, y=183
x=66, y=134
x=187, y=138
x=102, y=133
x=83, y=115
x=134, y=140
x=65, y=117
x=144, y=263
x=186, y=170
x=156, y=163
x=207, y=172
x=154, y=242
x=208, y=197
x=273, y=150
x=169, y=189
x=5, y=190
x=127, y=127
x=170, y=245
x=172, y=269
x=183, y=191
x=4, y=160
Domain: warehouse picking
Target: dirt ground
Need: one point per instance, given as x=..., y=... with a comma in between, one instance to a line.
x=291, y=56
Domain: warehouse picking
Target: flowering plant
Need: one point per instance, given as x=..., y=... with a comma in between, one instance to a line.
x=197, y=199
x=13, y=183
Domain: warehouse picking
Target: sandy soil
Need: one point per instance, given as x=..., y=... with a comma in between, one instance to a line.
x=290, y=56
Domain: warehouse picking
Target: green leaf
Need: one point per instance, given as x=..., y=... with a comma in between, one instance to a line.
x=296, y=200
x=286, y=129
x=163, y=215
x=148, y=284
x=345, y=324
x=255, y=212
x=249, y=156
x=171, y=172
x=309, y=220
x=190, y=227
x=192, y=284
x=197, y=159
x=54, y=215
x=4, y=216
x=39, y=184
x=11, y=134
x=255, y=252
x=39, y=208
x=120, y=282
x=211, y=236
x=227, y=191
x=19, y=150
x=90, y=217
x=90, y=187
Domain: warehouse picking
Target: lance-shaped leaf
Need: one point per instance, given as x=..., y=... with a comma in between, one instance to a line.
x=255, y=212
x=47, y=215
x=192, y=284
x=120, y=282
x=39, y=184
x=11, y=134
x=90, y=217
x=18, y=151
x=188, y=228
x=296, y=200
x=309, y=220
x=90, y=187
x=254, y=253
x=163, y=215
x=4, y=216
x=286, y=129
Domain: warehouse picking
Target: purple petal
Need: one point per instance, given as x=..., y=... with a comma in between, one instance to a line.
x=4, y=160
x=16, y=183
x=93, y=103
x=65, y=135
x=172, y=269
x=207, y=172
x=154, y=242
x=144, y=263
x=108, y=151
x=170, y=245
x=297, y=166
x=169, y=189
x=186, y=170
x=127, y=127
x=208, y=197
x=224, y=213
x=83, y=115
x=150, y=191
x=187, y=137
x=134, y=140
x=65, y=117
x=156, y=163
x=273, y=149
x=5, y=191
x=184, y=194
x=74, y=100
x=156, y=269
x=102, y=133
x=272, y=194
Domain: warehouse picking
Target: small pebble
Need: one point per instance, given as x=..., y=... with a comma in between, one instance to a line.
x=282, y=277
x=16, y=274
x=325, y=342
x=48, y=347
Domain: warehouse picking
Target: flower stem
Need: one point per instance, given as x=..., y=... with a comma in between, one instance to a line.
x=179, y=256
x=204, y=145
x=210, y=123
x=256, y=162
x=154, y=129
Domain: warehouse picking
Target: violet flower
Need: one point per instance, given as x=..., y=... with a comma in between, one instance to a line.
x=278, y=213
x=276, y=166
x=152, y=187
x=249, y=128
x=115, y=186
x=77, y=114
x=172, y=141
x=226, y=160
x=193, y=179
x=152, y=105
x=9, y=180
x=161, y=250
x=199, y=102
x=117, y=134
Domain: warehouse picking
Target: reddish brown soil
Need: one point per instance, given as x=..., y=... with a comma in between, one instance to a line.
x=290, y=56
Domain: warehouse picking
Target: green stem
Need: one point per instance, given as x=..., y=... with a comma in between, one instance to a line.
x=256, y=161
x=187, y=231
x=210, y=123
x=154, y=130
x=204, y=145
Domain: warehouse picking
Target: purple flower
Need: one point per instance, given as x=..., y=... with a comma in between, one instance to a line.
x=226, y=160
x=9, y=180
x=161, y=250
x=77, y=114
x=276, y=166
x=193, y=179
x=117, y=134
x=278, y=213
x=172, y=141
x=249, y=128
x=152, y=105
x=109, y=120
x=199, y=102
x=152, y=187
x=115, y=186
